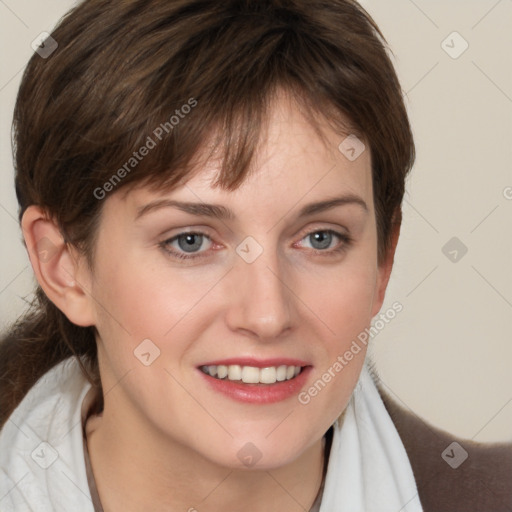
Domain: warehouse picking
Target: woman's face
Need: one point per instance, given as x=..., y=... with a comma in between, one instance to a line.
x=281, y=272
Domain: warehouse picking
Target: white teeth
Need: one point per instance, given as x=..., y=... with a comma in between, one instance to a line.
x=222, y=371
x=234, y=372
x=281, y=373
x=268, y=375
x=252, y=374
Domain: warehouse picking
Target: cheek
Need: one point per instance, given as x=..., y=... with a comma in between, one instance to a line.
x=344, y=306
x=343, y=298
x=344, y=293
x=140, y=300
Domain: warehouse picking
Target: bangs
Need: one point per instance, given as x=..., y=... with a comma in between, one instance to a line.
x=176, y=152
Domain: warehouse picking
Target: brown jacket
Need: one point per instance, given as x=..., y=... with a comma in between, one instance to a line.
x=447, y=481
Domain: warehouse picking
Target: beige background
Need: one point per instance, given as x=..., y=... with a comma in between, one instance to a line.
x=448, y=354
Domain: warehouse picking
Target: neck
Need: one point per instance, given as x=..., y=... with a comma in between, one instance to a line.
x=133, y=471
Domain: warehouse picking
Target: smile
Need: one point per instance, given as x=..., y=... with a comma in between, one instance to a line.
x=252, y=374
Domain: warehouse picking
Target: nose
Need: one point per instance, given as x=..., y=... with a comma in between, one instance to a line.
x=261, y=301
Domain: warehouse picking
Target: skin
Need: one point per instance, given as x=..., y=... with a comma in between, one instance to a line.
x=165, y=440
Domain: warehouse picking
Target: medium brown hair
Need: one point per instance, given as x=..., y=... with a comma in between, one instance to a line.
x=122, y=69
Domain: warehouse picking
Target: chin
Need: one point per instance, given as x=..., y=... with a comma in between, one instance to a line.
x=259, y=453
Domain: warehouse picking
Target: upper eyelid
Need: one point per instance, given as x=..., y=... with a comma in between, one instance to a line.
x=205, y=230
x=185, y=231
x=339, y=231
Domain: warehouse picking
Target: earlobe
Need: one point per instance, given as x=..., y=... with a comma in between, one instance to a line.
x=56, y=267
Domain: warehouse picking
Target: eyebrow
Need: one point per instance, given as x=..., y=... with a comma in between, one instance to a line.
x=200, y=209
x=322, y=206
x=221, y=212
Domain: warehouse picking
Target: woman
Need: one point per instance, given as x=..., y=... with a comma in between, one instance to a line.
x=210, y=196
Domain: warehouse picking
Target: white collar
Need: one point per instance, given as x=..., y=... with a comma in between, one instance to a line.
x=369, y=470
x=41, y=468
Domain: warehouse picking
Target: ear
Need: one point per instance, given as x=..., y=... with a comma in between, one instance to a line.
x=384, y=271
x=61, y=273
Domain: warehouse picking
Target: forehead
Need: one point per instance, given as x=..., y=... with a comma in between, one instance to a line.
x=296, y=161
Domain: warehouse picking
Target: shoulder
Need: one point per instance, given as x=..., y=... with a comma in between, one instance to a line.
x=52, y=399
x=42, y=441
x=55, y=396
x=453, y=474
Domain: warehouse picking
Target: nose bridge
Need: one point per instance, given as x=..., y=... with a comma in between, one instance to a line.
x=261, y=303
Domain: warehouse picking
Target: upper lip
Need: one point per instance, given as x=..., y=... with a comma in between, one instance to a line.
x=257, y=363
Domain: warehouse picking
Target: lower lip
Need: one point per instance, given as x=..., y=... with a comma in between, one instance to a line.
x=259, y=393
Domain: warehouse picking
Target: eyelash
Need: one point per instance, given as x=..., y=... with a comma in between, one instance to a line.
x=346, y=242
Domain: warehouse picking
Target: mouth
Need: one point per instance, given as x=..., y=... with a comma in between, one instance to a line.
x=252, y=374
x=256, y=381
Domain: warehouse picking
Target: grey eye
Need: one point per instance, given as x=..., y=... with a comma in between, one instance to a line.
x=320, y=239
x=190, y=242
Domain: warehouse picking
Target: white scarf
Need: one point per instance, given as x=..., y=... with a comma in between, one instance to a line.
x=369, y=470
x=368, y=467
